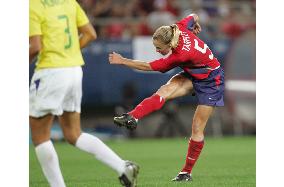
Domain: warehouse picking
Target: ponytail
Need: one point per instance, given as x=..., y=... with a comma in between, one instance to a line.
x=176, y=33
x=169, y=35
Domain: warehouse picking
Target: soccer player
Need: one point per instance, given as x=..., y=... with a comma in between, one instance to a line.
x=56, y=87
x=201, y=73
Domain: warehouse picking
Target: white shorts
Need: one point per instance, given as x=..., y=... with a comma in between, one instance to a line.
x=54, y=90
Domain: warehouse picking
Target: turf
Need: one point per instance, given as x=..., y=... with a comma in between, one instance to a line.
x=224, y=162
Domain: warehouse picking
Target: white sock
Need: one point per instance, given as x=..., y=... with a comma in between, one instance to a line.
x=48, y=160
x=102, y=152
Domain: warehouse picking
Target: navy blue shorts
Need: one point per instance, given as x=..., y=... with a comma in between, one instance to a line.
x=209, y=91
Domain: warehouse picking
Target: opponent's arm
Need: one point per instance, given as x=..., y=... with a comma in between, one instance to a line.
x=87, y=34
x=35, y=47
x=115, y=58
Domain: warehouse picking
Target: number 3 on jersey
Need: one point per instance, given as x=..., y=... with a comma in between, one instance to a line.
x=202, y=50
x=67, y=31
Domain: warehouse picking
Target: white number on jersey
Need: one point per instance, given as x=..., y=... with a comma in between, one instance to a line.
x=202, y=50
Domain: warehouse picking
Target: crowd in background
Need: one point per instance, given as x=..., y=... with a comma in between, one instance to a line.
x=120, y=19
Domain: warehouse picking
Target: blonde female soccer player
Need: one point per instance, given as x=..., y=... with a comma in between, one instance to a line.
x=56, y=87
x=201, y=73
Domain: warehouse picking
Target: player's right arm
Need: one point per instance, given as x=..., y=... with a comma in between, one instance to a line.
x=115, y=58
x=162, y=64
x=35, y=31
x=35, y=47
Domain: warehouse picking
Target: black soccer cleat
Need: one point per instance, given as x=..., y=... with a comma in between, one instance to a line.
x=126, y=120
x=182, y=176
x=129, y=177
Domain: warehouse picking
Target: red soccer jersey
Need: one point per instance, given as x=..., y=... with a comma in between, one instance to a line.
x=190, y=54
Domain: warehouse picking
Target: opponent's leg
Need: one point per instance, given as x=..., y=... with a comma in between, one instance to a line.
x=177, y=86
x=45, y=152
x=196, y=141
x=70, y=124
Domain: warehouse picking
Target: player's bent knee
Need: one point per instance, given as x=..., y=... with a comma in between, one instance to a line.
x=163, y=92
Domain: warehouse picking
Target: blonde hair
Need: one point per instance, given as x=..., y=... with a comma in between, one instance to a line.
x=169, y=35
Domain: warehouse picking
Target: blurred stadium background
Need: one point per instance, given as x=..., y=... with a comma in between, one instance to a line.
x=126, y=26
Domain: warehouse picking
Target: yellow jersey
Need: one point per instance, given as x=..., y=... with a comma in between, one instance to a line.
x=57, y=22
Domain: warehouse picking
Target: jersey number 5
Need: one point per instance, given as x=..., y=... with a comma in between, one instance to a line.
x=202, y=50
x=67, y=31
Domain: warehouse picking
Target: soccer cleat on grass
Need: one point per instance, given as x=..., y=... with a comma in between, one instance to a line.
x=126, y=120
x=129, y=177
x=182, y=176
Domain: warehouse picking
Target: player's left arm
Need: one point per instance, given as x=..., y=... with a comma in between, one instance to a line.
x=35, y=46
x=87, y=34
x=85, y=28
x=115, y=58
x=191, y=22
x=196, y=28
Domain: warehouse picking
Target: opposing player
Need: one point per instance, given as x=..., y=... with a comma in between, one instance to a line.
x=56, y=87
x=201, y=73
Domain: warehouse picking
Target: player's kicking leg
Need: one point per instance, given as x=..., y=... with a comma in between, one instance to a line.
x=177, y=86
x=127, y=121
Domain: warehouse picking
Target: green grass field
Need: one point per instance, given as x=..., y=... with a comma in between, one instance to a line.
x=224, y=162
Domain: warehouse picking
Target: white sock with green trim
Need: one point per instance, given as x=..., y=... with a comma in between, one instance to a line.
x=49, y=162
x=102, y=152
